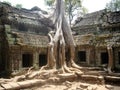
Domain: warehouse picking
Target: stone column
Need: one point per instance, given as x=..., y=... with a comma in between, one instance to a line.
x=36, y=60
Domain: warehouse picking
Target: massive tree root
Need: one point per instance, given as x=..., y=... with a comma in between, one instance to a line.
x=110, y=55
x=61, y=48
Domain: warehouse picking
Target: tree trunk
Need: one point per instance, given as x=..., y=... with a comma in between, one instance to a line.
x=110, y=55
x=61, y=42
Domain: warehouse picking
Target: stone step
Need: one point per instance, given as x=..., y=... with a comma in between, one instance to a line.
x=93, y=68
x=7, y=86
x=112, y=79
x=22, y=84
x=15, y=85
x=97, y=73
x=93, y=78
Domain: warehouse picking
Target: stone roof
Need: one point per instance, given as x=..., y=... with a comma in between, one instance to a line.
x=101, y=17
x=25, y=20
x=89, y=19
x=25, y=27
x=113, y=17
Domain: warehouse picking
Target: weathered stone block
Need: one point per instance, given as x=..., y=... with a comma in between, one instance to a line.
x=25, y=84
x=7, y=86
x=14, y=85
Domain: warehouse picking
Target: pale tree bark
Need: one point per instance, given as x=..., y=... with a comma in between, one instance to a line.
x=110, y=56
x=61, y=42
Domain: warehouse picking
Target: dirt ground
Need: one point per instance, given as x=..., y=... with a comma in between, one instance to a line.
x=74, y=86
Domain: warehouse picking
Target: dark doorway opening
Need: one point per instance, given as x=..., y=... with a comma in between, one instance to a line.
x=42, y=59
x=3, y=72
x=104, y=58
x=82, y=56
x=2, y=63
x=27, y=60
x=119, y=57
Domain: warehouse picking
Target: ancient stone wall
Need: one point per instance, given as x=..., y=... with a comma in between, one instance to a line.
x=24, y=36
x=88, y=55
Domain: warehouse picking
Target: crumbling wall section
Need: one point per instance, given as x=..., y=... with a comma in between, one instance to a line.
x=23, y=32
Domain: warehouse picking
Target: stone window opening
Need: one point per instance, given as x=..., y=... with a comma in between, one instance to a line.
x=82, y=56
x=119, y=57
x=42, y=60
x=27, y=60
x=104, y=58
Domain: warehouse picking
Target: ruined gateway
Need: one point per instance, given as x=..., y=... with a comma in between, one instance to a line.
x=24, y=40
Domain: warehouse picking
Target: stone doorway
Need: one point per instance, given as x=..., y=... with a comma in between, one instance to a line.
x=82, y=56
x=119, y=57
x=104, y=58
x=2, y=64
x=42, y=60
x=27, y=60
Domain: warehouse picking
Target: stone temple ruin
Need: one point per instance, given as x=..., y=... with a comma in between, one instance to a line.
x=93, y=33
x=24, y=40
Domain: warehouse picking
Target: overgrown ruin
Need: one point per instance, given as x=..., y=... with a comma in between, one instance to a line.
x=95, y=32
x=24, y=43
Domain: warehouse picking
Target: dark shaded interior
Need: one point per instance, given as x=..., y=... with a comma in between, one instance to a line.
x=42, y=59
x=104, y=58
x=119, y=57
x=27, y=60
x=2, y=62
x=82, y=56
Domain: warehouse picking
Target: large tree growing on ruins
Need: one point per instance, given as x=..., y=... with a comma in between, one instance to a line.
x=61, y=48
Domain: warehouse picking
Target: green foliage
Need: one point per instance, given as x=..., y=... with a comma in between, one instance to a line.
x=49, y=2
x=113, y=5
x=74, y=8
x=18, y=6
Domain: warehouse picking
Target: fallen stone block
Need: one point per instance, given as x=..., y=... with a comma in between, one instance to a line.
x=53, y=80
x=25, y=84
x=37, y=82
x=7, y=86
x=84, y=85
x=67, y=77
x=89, y=77
x=14, y=85
x=112, y=78
x=89, y=88
x=109, y=87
